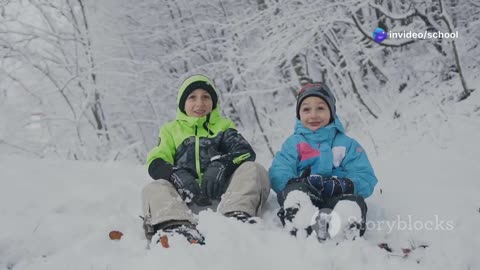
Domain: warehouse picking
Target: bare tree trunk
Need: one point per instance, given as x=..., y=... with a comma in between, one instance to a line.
x=97, y=108
x=300, y=66
x=261, y=5
x=261, y=127
x=446, y=18
x=359, y=97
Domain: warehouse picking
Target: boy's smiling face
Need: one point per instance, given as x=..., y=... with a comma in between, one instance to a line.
x=198, y=103
x=314, y=113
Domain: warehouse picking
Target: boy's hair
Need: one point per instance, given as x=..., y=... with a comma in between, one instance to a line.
x=317, y=89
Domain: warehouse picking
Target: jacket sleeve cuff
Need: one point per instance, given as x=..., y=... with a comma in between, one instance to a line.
x=159, y=169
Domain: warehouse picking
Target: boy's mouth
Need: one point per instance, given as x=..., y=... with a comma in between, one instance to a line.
x=200, y=112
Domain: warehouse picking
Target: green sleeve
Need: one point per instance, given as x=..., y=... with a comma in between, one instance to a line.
x=165, y=148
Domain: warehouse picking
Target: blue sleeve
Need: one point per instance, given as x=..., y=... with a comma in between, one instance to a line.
x=284, y=165
x=359, y=170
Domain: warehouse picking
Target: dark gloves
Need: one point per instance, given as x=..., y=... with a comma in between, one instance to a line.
x=317, y=187
x=186, y=185
x=300, y=184
x=215, y=180
x=332, y=186
x=159, y=169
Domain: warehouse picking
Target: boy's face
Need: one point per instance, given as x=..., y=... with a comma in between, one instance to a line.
x=199, y=103
x=314, y=113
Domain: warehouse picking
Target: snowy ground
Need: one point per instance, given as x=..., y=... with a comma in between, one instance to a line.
x=57, y=215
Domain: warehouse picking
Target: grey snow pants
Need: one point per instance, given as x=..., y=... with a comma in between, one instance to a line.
x=247, y=191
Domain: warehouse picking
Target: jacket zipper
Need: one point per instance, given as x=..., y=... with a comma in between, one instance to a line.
x=197, y=156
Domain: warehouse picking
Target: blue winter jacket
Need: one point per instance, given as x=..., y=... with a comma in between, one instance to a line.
x=328, y=152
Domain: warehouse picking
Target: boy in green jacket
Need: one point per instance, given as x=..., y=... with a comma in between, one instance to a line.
x=200, y=159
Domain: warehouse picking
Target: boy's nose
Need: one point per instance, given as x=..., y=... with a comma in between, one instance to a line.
x=200, y=103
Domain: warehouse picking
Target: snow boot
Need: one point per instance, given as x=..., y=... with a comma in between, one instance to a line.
x=287, y=216
x=298, y=213
x=149, y=230
x=322, y=225
x=163, y=230
x=352, y=231
x=187, y=230
x=242, y=216
x=347, y=219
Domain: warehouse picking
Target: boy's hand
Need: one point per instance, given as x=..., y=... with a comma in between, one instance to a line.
x=202, y=200
x=316, y=181
x=214, y=180
x=186, y=185
x=337, y=186
x=300, y=184
x=332, y=186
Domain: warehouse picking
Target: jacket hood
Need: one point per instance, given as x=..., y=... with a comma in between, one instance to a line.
x=193, y=80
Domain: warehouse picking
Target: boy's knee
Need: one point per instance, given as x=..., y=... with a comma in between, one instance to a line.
x=256, y=170
x=157, y=186
x=253, y=167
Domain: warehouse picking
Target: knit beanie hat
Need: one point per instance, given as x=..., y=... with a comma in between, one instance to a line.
x=317, y=89
x=198, y=85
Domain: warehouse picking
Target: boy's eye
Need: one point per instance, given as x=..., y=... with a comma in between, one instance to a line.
x=306, y=110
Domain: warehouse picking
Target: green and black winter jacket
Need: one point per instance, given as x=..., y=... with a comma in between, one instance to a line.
x=188, y=145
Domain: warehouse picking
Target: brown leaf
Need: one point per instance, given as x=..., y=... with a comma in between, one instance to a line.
x=115, y=235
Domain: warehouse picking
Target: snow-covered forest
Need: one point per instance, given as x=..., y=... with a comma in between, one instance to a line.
x=93, y=80
x=85, y=85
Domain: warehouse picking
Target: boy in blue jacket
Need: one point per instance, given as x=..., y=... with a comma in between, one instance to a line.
x=320, y=160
